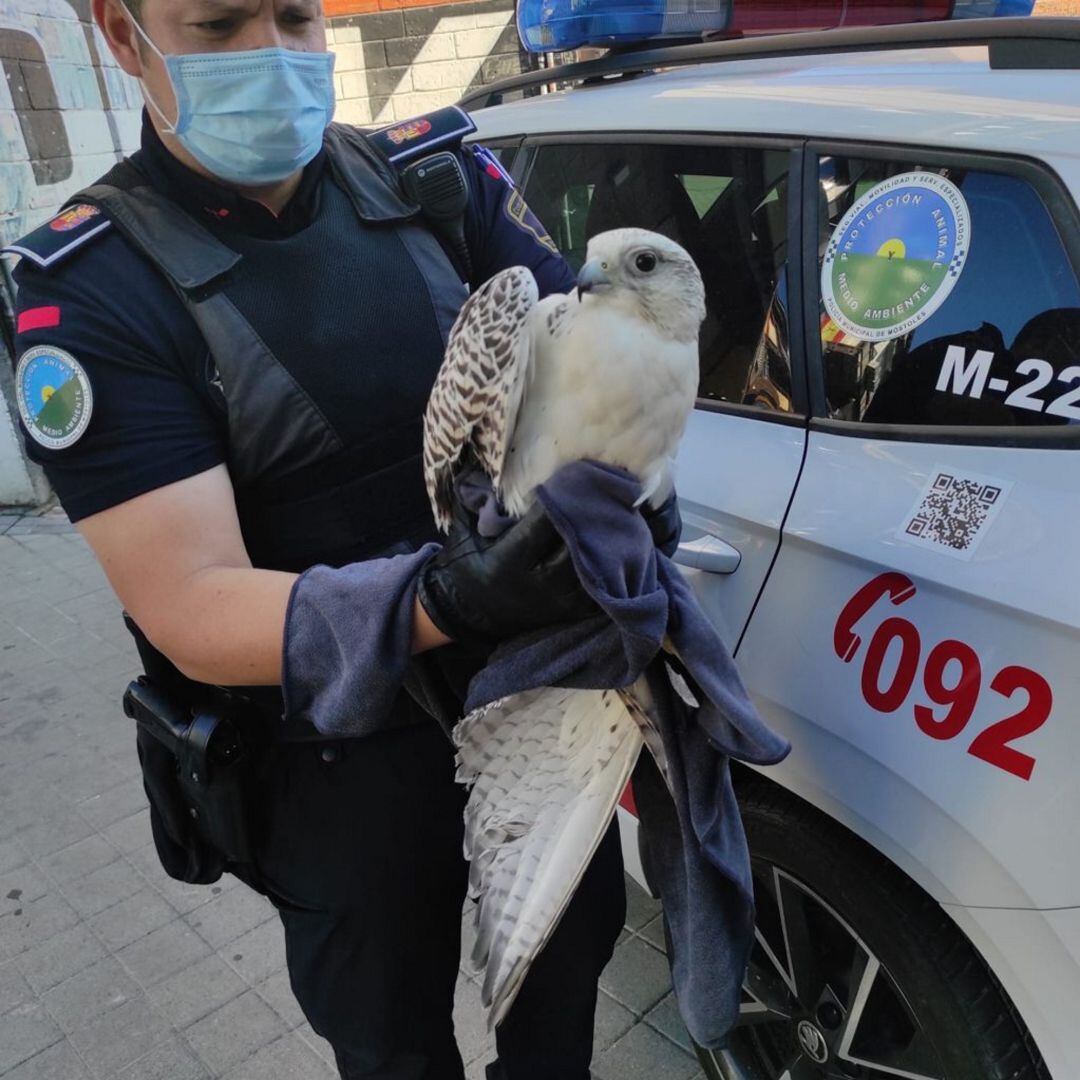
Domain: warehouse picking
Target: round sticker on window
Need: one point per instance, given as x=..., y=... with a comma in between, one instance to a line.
x=895, y=256
x=54, y=396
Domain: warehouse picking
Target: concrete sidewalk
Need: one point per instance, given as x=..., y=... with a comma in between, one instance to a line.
x=108, y=968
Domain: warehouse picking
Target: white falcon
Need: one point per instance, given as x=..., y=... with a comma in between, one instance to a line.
x=608, y=372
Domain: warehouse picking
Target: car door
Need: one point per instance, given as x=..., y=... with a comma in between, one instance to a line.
x=917, y=638
x=727, y=203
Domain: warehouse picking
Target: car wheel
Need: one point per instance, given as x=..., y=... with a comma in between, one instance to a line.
x=856, y=972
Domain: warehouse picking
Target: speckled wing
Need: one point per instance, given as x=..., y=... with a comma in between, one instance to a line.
x=478, y=391
x=547, y=768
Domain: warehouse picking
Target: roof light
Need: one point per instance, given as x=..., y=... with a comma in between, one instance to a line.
x=557, y=25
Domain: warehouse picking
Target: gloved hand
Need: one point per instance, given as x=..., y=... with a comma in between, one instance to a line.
x=480, y=591
x=665, y=524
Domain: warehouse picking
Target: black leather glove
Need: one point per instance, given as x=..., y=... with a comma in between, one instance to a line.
x=665, y=524
x=479, y=591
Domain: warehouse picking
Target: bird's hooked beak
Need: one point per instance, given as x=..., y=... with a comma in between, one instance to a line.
x=592, y=277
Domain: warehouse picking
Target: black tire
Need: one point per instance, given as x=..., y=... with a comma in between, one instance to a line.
x=931, y=1008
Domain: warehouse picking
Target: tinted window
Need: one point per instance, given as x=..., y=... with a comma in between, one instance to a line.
x=947, y=298
x=727, y=207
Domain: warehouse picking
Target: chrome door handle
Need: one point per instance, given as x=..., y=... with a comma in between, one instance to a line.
x=708, y=553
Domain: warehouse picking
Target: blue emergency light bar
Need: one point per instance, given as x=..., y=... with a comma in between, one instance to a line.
x=558, y=25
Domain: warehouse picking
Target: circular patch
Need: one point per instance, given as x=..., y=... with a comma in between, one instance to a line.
x=73, y=217
x=895, y=256
x=54, y=396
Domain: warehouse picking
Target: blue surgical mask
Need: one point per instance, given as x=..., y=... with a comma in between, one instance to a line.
x=250, y=118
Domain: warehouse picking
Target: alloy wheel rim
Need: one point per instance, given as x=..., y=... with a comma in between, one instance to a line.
x=818, y=1003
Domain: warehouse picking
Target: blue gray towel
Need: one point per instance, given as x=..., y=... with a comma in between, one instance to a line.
x=346, y=654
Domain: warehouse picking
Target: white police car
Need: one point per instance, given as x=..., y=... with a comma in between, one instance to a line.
x=880, y=486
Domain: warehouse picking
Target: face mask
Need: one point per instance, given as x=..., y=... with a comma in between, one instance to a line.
x=251, y=117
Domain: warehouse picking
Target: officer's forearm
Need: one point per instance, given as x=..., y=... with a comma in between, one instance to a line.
x=231, y=635
x=228, y=626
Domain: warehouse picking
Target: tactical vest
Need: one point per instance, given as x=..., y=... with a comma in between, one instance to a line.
x=303, y=495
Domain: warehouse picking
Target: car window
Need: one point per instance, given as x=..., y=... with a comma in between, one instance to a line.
x=728, y=208
x=947, y=298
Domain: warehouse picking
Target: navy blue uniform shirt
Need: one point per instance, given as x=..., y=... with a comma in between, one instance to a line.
x=154, y=418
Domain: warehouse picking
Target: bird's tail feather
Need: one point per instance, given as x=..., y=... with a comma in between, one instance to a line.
x=547, y=768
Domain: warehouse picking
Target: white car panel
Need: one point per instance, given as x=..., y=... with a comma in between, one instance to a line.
x=981, y=832
x=715, y=456
x=934, y=97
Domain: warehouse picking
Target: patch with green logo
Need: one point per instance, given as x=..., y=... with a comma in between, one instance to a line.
x=895, y=256
x=54, y=396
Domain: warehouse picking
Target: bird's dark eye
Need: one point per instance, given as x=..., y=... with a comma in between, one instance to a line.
x=645, y=262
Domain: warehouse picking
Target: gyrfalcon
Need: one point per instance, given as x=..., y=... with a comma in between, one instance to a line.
x=608, y=372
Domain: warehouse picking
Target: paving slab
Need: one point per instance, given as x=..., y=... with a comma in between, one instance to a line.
x=31, y=924
x=637, y=975
x=116, y=1038
x=258, y=953
x=14, y=989
x=643, y=1054
x=229, y=916
x=234, y=1032
x=122, y=802
x=170, y=1060
x=164, y=952
x=288, y=1058
x=641, y=909
x=277, y=993
x=93, y=991
x=665, y=1018
x=58, y=1062
x=12, y=856
x=60, y=958
x=44, y=837
x=613, y=1020
x=104, y=888
x=653, y=933
x=133, y=918
x=24, y=1032
x=79, y=859
x=197, y=991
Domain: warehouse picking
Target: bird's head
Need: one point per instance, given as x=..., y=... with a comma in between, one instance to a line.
x=649, y=272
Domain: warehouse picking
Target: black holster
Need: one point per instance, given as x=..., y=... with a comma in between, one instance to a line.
x=195, y=768
x=196, y=763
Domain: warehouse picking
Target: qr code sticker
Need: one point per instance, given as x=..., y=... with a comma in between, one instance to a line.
x=954, y=512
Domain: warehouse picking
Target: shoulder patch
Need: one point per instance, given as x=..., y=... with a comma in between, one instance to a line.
x=54, y=396
x=409, y=139
x=54, y=241
x=517, y=211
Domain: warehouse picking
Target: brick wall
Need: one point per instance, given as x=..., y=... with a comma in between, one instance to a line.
x=393, y=64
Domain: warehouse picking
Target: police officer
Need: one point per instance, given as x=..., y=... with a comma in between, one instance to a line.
x=224, y=351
